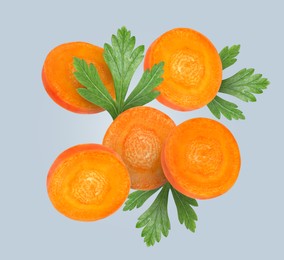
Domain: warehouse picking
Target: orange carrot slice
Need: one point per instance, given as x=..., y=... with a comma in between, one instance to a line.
x=88, y=182
x=192, y=71
x=61, y=84
x=201, y=158
x=137, y=135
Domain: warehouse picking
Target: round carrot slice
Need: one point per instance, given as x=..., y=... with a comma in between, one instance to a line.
x=192, y=71
x=201, y=158
x=137, y=135
x=88, y=182
x=61, y=84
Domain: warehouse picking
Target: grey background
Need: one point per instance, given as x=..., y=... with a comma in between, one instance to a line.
x=246, y=223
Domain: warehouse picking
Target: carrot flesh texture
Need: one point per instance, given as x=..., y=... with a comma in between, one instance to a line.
x=88, y=182
x=193, y=68
x=137, y=135
x=61, y=84
x=201, y=158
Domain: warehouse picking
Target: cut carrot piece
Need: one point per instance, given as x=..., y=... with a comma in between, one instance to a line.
x=61, y=84
x=137, y=135
x=88, y=182
x=201, y=158
x=192, y=71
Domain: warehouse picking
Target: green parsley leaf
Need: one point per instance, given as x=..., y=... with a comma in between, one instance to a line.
x=186, y=214
x=122, y=60
x=228, y=55
x=137, y=198
x=95, y=91
x=155, y=220
x=228, y=109
x=143, y=92
x=244, y=84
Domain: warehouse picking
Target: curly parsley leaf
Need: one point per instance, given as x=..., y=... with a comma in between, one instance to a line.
x=137, y=198
x=155, y=220
x=95, y=91
x=228, y=109
x=228, y=55
x=186, y=214
x=244, y=84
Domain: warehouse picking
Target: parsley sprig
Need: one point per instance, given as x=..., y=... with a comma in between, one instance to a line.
x=123, y=60
x=242, y=85
x=155, y=220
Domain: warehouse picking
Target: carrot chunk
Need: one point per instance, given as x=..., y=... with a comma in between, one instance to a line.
x=192, y=71
x=201, y=158
x=61, y=84
x=88, y=182
x=137, y=135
